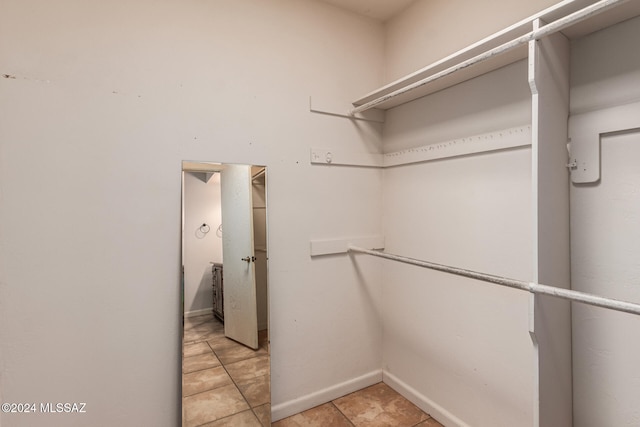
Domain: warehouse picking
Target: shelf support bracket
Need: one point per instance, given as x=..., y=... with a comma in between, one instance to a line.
x=586, y=131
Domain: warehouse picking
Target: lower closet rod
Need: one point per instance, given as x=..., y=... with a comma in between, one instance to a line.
x=536, y=288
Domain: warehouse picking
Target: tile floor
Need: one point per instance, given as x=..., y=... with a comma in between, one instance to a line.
x=375, y=406
x=223, y=383
x=227, y=384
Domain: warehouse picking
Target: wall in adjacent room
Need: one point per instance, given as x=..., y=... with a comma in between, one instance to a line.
x=201, y=206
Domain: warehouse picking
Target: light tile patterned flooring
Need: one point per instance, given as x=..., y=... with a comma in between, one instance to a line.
x=227, y=384
x=223, y=383
x=375, y=406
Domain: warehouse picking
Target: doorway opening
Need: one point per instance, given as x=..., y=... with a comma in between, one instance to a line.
x=225, y=292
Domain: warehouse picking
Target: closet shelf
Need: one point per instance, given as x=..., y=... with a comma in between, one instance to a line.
x=620, y=12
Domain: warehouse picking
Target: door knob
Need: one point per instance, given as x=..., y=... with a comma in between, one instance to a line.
x=249, y=259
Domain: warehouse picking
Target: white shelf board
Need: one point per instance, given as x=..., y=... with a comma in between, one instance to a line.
x=625, y=11
x=453, y=79
x=618, y=14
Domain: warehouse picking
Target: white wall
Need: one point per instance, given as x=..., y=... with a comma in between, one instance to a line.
x=605, y=262
x=459, y=348
x=605, y=233
x=463, y=110
x=107, y=100
x=201, y=206
x=603, y=73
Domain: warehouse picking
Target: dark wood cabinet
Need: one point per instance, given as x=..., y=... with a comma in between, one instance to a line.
x=218, y=291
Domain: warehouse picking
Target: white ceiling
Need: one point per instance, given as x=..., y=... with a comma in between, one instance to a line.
x=381, y=10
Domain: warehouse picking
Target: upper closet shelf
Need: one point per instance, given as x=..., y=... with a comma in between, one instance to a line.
x=574, y=18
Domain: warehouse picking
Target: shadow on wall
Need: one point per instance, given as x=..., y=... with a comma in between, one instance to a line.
x=204, y=290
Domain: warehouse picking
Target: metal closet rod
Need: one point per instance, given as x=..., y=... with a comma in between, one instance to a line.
x=544, y=31
x=535, y=288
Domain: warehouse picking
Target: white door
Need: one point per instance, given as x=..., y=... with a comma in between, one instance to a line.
x=605, y=253
x=240, y=312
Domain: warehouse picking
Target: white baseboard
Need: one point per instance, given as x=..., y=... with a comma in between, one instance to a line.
x=285, y=409
x=195, y=313
x=441, y=415
x=209, y=310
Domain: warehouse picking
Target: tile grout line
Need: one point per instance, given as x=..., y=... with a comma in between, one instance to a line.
x=343, y=414
x=236, y=385
x=224, y=366
x=205, y=391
